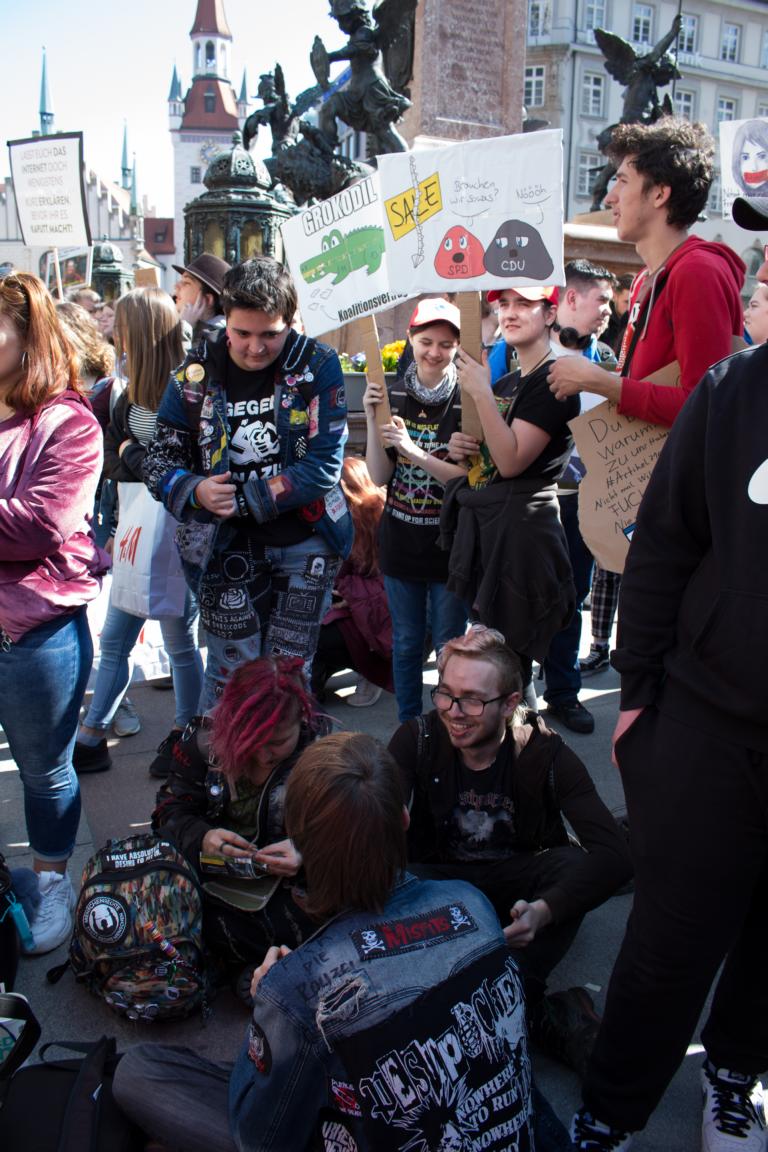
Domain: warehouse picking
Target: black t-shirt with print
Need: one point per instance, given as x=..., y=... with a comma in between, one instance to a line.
x=254, y=450
x=481, y=826
x=536, y=405
x=409, y=528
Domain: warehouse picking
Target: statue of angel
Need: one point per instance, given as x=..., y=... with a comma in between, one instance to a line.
x=380, y=55
x=277, y=113
x=643, y=76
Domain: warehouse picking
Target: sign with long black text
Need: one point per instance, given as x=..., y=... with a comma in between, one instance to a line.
x=47, y=174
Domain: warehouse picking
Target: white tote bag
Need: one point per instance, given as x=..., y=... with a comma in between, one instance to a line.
x=147, y=579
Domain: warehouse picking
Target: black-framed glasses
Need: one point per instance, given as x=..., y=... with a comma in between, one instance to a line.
x=468, y=705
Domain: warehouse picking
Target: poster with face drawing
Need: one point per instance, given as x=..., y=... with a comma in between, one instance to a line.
x=482, y=214
x=743, y=160
x=335, y=250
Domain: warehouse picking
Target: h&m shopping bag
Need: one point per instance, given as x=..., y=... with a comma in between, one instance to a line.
x=147, y=579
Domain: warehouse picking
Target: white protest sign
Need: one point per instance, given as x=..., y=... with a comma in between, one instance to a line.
x=743, y=160
x=335, y=250
x=47, y=174
x=481, y=214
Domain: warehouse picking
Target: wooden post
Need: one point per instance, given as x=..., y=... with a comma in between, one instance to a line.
x=369, y=338
x=472, y=343
x=57, y=269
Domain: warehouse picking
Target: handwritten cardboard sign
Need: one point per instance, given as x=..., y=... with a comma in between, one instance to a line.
x=619, y=453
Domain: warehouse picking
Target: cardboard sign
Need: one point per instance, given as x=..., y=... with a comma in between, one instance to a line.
x=472, y=343
x=47, y=176
x=335, y=250
x=744, y=160
x=619, y=453
x=480, y=214
x=369, y=339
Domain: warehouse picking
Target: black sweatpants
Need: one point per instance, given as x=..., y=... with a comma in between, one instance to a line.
x=697, y=807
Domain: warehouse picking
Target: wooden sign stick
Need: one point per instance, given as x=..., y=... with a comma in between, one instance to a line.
x=57, y=269
x=472, y=343
x=369, y=338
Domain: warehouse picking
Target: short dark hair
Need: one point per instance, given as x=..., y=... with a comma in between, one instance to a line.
x=673, y=152
x=261, y=284
x=625, y=281
x=583, y=274
x=344, y=812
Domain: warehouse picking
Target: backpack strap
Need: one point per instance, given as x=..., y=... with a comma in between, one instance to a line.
x=81, y=1117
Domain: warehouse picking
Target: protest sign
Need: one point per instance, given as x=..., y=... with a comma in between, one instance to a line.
x=619, y=453
x=480, y=214
x=470, y=311
x=335, y=250
x=47, y=174
x=744, y=160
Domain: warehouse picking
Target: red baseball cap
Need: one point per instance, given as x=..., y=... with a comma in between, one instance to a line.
x=552, y=294
x=435, y=311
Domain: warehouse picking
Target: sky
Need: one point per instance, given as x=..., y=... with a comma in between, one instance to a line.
x=111, y=62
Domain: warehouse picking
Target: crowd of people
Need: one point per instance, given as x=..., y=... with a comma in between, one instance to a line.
x=476, y=842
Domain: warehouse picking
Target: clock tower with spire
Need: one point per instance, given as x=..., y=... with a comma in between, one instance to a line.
x=202, y=122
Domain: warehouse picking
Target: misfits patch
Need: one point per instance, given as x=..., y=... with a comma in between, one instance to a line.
x=393, y=937
x=105, y=918
x=259, y=1052
x=342, y=1094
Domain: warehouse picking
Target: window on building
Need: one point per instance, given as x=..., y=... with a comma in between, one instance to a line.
x=592, y=93
x=594, y=16
x=642, y=24
x=194, y=175
x=537, y=17
x=685, y=104
x=533, y=90
x=689, y=33
x=589, y=164
x=714, y=200
x=210, y=56
x=727, y=109
x=730, y=42
x=764, y=54
x=762, y=109
x=209, y=101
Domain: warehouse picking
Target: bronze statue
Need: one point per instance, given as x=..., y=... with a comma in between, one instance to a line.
x=306, y=166
x=380, y=55
x=643, y=75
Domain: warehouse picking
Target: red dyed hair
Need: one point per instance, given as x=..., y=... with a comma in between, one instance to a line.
x=49, y=362
x=366, y=504
x=258, y=697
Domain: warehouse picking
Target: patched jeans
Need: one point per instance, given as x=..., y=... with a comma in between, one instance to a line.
x=285, y=607
x=43, y=677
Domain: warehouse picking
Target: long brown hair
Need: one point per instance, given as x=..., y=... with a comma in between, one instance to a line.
x=148, y=333
x=366, y=504
x=48, y=365
x=95, y=357
x=344, y=812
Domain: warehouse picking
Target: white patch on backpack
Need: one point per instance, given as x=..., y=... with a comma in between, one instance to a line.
x=105, y=918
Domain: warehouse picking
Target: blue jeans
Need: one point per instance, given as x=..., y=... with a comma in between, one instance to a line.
x=561, y=667
x=43, y=678
x=407, y=601
x=119, y=635
x=296, y=598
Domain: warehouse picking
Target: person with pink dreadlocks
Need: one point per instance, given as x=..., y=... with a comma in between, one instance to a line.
x=222, y=807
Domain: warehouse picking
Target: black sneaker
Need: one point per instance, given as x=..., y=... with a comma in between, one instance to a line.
x=163, y=762
x=574, y=715
x=591, y=1135
x=564, y=1026
x=599, y=657
x=91, y=758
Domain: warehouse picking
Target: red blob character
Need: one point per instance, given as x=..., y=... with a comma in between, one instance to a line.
x=460, y=255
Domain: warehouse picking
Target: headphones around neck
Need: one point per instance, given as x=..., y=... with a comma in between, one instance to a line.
x=571, y=338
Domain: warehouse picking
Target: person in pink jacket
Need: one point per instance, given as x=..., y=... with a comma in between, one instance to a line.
x=50, y=567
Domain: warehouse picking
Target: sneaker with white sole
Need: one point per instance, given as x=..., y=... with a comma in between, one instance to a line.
x=591, y=1135
x=734, y=1112
x=52, y=923
x=126, y=720
x=364, y=695
x=599, y=657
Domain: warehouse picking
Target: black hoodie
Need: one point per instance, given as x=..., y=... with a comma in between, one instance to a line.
x=693, y=616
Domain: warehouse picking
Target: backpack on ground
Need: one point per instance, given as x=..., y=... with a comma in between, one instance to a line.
x=58, y=1105
x=137, y=940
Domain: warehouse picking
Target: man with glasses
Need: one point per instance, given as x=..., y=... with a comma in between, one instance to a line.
x=489, y=787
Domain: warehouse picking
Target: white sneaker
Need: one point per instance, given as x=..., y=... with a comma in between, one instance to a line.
x=126, y=720
x=364, y=695
x=52, y=923
x=734, y=1112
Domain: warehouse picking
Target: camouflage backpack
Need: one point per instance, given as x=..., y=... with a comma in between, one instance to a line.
x=137, y=940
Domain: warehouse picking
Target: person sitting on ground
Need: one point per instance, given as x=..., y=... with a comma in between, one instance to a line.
x=489, y=788
x=356, y=632
x=198, y=293
x=222, y=806
x=407, y=975
x=409, y=456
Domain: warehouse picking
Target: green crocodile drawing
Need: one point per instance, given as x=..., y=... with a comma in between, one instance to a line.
x=360, y=248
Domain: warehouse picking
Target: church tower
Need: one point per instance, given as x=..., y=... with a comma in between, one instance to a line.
x=202, y=122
